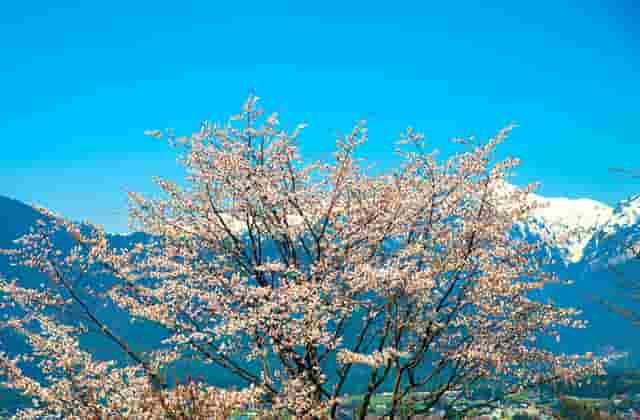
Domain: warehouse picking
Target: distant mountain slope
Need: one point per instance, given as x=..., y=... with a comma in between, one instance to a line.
x=584, y=231
x=577, y=233
x=583, y=237
x=609, y=243
x=572, y=223
x=15, y=220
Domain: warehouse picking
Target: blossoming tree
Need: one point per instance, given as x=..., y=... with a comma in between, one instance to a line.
x=293, y=276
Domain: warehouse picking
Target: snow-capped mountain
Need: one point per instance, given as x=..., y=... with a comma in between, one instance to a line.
x=612, y=242
x=577, y=234
x=582, y=237
x=587, y=232
x=580, y=231
x=568, y=225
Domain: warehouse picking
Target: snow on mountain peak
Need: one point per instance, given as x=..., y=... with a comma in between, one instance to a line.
x=627, y=213
x=565, y=224
x=584, y=230
x=613, y=242
x=572, y=222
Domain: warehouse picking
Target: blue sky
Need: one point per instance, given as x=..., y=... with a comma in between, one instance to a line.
x=81, y=81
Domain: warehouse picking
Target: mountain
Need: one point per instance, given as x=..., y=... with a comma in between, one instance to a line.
x=563, y=225
x=15, y=220
x=570, y=223
x=609, y=244
x=585, y=238
x=582, y=236
x=584, y=231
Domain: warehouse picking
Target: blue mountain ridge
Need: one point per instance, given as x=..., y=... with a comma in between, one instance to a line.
x=605, y=330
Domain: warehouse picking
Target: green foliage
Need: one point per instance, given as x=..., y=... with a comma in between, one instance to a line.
x=523, y=416
x=615, y=382
x=575, y=409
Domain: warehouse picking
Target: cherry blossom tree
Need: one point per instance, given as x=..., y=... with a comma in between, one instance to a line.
x=298, y=278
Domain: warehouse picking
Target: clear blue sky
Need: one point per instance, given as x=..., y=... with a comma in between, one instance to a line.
x=81, y=81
